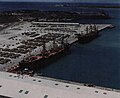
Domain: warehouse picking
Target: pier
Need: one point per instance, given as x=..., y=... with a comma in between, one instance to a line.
x=23, y=39
x=18, y=86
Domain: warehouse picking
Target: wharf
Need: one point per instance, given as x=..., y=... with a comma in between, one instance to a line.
x=12, y=86
x=24, y=39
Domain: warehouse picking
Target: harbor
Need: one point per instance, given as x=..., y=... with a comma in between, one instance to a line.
x=59, y=49
x=24, y=39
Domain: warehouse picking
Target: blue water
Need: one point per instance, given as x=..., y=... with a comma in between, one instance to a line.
x=97, y=62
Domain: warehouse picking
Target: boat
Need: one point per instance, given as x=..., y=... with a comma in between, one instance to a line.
x=91, y=34
x=45, y=57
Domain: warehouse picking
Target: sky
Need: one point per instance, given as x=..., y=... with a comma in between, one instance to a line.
x=100, y=1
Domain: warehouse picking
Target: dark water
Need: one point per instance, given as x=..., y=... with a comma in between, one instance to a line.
x=97, y=62
x=49, y=6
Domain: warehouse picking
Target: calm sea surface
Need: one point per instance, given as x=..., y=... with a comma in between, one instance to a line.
x=97, y=62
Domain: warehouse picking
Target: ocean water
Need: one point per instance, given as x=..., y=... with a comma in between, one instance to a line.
x=97, y=62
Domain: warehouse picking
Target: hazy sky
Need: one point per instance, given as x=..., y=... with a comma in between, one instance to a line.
x=68, y=0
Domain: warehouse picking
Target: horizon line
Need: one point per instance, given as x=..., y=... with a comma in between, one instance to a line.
x=61, y=2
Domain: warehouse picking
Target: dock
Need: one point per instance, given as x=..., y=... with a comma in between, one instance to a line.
x=23, y=39
x=18, y=86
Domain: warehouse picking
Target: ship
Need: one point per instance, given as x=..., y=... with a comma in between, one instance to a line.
x=91, y=34
x=45, y=58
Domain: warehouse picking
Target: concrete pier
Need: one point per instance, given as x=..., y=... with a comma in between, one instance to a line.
x=18, y=86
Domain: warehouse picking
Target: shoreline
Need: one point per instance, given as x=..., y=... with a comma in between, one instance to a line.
x=50, y=87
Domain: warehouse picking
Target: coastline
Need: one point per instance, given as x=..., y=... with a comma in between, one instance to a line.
x=108, y=35
x=34, y=87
